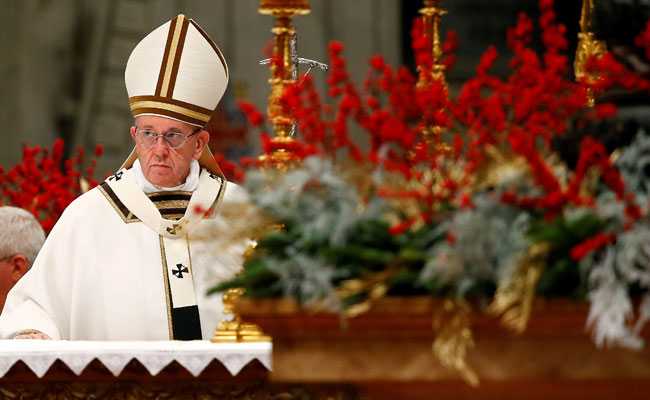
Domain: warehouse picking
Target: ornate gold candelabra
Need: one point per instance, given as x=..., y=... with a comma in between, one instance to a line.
x=235, y=330
x=284, y=71
x=588, y=46
x=432, y=13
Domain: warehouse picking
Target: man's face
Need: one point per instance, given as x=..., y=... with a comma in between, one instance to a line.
x=11, y=270
x=162, y=164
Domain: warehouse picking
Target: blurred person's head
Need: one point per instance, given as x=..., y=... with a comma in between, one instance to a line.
x=21, y=238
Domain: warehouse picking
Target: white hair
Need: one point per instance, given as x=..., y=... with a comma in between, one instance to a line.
x=20, y=233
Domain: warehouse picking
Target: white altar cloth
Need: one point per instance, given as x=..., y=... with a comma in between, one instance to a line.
x=194, y=356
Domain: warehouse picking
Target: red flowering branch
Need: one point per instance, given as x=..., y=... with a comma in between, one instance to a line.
x=611, y=73
x=521, y=112
x=596, y=242
x=593, y=155
x=643, y=40
x=44, y=183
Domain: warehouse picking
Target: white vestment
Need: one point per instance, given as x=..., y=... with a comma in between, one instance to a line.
x=101, y=272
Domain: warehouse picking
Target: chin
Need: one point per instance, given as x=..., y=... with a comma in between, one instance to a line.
x=162, y=180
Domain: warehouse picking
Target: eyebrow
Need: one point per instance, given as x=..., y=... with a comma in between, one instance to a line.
x=172, y=129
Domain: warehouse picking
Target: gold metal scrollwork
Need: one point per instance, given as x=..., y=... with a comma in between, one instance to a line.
x=513, y=301
x=454, y=339
x=588, y=47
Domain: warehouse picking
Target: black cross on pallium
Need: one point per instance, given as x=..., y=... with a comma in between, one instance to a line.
x=117, y=176
x=179, y=271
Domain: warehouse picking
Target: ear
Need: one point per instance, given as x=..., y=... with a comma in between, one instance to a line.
x=133, y=132
x=19, y=266
x=202, y=139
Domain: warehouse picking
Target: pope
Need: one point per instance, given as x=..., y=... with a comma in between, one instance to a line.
x=130, y=259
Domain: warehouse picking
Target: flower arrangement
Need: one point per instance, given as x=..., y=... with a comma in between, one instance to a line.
x=44, y=183
x=461, y=197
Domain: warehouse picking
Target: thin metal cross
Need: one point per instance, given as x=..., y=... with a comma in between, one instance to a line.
x=296, y=62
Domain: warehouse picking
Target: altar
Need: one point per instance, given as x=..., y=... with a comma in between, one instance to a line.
x=122, y=370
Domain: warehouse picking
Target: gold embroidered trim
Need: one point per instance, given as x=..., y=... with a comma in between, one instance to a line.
x=170, y=193
x=189, y=254
x=172, y=55
x=163, y=256
x=166, y=204
x=128, y=218
x=161, y=205
x=169, y=107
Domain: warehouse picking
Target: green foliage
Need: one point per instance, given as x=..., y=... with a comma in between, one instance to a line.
x=333, y=246
x=370, y=248
x=562, y=275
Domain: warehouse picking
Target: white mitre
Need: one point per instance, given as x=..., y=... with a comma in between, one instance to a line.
x=177, y=72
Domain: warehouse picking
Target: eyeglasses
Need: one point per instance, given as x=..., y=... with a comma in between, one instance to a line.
x=173, y=139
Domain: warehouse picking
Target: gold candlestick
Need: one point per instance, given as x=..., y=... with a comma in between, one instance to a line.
x=432, y=13
x=284, y=71
x=588, y=47
x=236, y=330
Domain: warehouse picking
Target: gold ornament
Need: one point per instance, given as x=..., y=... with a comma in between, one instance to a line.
x=284, y=70
x=373, y=286
x=500, y=168
x=235, y=330
x=454, y=339
x=284, y=7
x=513, y=301
x=588, y=47
x=431, y=15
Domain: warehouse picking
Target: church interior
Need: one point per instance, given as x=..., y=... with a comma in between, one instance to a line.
x=411, y=199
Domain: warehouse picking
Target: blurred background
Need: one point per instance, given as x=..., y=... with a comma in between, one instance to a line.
x=62, y=61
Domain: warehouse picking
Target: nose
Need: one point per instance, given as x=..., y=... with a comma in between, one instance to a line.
x=160, y=148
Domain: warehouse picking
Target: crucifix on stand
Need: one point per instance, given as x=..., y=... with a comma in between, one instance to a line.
x=284, y=65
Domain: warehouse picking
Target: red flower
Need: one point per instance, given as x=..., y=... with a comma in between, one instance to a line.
x=579, y=251
x=643, y=40
x=451, y=238
x=466, y=201
x=253, y=115
x=487, y=60
x=401, y=227
x=335, y=47
x=605, y=110
x=39, y=185
x=526, y=110
x=377, y=62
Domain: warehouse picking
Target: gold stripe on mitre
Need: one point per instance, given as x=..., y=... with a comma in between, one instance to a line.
x=161, y=105
x=175, y=39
